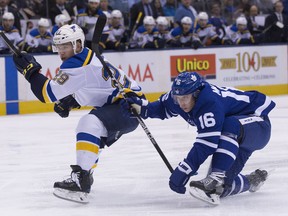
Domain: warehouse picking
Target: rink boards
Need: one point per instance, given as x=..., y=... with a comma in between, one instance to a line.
x=262, y=68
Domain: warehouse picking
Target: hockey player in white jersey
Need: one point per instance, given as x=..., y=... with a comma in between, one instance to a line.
x=238, y=33
x=81, y=81
x=231, y=125
x=147, y=35
x=12, y=34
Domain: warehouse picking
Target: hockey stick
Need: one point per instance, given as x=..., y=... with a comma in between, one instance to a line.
x=10, y=44
x=95, y=47
x=277, y=23
x=135, y=26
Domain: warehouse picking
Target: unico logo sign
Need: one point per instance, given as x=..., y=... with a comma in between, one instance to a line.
x=203, y=64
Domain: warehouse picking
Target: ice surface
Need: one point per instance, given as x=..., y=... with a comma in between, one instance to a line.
x=131, y=179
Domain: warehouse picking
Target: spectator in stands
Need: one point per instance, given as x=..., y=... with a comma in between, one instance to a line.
x=183, y=35
x=229, y=10
x=275, y=33
x=147, y=36
x=206, y=31
x=60, y=20
x=31, y=9
x=159, y=9
x=201, y=5
x=162, y=25
x=104, y=6
x=217, y=20
x=40, y=38
x=12, y=33
x=117, y=35
x=146, y=8
x=242, y=8
x=185, y=9
x=285, y=4
x=252, y=25
x=87, y=19
x=169, y=8
x=61, y=7
x=238, y=33
x=264, y=6
x=4, y=7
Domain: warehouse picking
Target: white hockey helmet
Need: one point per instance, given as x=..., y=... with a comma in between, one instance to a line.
x=61, y=19
x=8, y=16
x=241, y=21
x=95, y=1
x=161, y=20
x=186, y=20
x=203, y=16
x=44, y=22
x=116, y=14
x=68, y=33
x=149, y=20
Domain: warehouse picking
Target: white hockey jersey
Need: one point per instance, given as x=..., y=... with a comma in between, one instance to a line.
x=13, y=35
x=83, y=75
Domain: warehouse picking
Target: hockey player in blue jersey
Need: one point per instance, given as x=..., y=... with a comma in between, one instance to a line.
x=231, y=125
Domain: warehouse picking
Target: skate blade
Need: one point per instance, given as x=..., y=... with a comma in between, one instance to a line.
x=201, y=195
x=79, y=197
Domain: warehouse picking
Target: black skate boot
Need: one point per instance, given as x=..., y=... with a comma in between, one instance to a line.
x=257, y=179
x=75, y=188
x=208, y=189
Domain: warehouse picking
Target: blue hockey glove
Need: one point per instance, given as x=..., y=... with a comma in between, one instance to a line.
x=26, y=64
x=140, y=105
x=180, y=177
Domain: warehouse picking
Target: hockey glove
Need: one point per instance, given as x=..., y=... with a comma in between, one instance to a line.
x=63, y=106
x=227, y=42
x=26, y=64
x=196, y=44
x=140, y=105
x=159, y=43
x=180, y=177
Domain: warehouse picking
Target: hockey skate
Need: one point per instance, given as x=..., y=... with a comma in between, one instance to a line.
x=257, y=179
x=208, y=189
x=77, y=187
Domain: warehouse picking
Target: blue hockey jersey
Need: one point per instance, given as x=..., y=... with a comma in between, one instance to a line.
x=212, y=106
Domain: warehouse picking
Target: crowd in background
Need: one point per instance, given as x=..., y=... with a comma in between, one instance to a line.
x=146, y=24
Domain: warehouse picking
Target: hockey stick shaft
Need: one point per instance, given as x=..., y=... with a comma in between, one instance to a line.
x=135, y=26
x=95, y=44
x=10, y=44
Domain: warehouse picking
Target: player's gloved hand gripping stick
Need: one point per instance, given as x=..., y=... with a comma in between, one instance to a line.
x=25, y=63
x=95, y=47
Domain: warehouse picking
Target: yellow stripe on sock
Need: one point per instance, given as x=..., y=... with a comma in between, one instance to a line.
x=84, y=146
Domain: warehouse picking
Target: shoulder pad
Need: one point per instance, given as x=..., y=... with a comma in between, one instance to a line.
x=34, y=32
x=176, y=31
x=141, y=29
x=234, y=28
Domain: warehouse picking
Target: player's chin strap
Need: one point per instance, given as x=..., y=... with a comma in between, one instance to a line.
x=101, y=21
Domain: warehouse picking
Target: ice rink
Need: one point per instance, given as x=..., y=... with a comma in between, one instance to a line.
x=131, y=179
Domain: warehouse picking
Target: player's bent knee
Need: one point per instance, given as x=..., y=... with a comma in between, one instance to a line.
x=91, y=124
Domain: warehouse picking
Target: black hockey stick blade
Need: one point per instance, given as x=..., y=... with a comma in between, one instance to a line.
x=100, y=24
x=10, y=44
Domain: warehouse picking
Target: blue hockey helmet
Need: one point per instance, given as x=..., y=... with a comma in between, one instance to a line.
x=187, y=83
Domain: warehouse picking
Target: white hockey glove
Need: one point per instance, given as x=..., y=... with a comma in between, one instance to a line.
x=139, y=104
